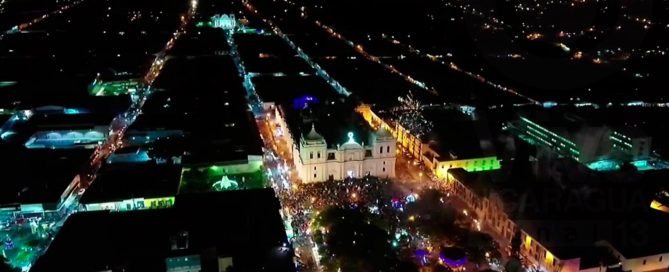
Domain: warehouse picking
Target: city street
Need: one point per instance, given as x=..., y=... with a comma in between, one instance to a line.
x=285, y=182
x=37, y=235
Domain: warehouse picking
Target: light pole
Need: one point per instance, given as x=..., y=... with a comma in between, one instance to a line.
x=448, y=182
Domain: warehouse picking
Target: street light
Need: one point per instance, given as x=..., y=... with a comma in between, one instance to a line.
x=448, y=182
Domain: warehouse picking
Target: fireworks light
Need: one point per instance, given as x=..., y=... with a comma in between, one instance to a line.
x=410, y=114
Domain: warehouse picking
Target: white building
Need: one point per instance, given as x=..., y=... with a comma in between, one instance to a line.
x=226, y=22
x=316, y=162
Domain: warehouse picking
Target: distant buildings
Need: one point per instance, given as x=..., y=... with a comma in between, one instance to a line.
x=226, y=22
x=631, y=143
x=598, y=146
x=114, y=87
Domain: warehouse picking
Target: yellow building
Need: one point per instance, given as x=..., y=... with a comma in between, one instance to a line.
x=443, y=150
x=436, y=154
x=373, y=119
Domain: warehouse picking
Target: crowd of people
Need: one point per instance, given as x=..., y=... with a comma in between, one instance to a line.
x=301, y=203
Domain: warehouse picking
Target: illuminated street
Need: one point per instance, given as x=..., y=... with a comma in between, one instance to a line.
x=42, y=230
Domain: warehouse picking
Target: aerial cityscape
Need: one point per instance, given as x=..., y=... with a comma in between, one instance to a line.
x=334, y=135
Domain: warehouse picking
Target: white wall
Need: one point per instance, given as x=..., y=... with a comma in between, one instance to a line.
x=652, y=262
x=334, y=168
x=370, y=166
x=594, y=269
x=352, y=159
x=354, y=166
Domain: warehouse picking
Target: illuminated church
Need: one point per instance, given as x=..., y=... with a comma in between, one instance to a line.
x=317, y=161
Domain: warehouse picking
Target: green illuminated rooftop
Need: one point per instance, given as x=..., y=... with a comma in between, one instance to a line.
x=183, y=262
x=204, y=24
x=222, y=178
x=545, y=132
x=478, y=168
x=7, y=83
x=604, y=165
x=7, y=111
x=113, y=88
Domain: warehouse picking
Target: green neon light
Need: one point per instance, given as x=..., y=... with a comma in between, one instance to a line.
x=604, y=165
x=223, y=177
x=7, y=111
x=621, y=141
x=160, y=202
x=350, y=138
x=7, y=83
x=547, y=131
x=113, y=88
x=533, y=138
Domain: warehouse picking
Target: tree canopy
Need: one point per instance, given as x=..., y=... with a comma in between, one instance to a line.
x=353, y=241
x=432, y=216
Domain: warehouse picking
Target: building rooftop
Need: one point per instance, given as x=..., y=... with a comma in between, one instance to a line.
x=244, y=225
x=570, y=122
x=121, y=181
x=73, y=121
x=37, y=176
x=332, y=119
x=482, y=183
x=563, y=123
x=204, y=97
x=630, y=131
x=596, y=256
x=456, y=136
x=367, y=81
x=287, y=89
x=253, y=45
x=570, y=214
x=607, y=207
x=201, y=42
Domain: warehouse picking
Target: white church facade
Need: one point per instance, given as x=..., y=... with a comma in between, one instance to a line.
x=317, y=161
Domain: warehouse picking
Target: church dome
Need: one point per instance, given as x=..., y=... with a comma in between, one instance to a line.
x=383, y=133
x=351, y=143
x=313, y=136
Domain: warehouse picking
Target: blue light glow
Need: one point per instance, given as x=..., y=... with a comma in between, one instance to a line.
x=304, y=101
x=550, y=104
x=73, y=111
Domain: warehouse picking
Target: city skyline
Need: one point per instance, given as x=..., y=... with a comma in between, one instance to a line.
x=293, y=135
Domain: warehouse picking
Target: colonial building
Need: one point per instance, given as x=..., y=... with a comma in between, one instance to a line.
x=562, y=234
x=316, y=161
